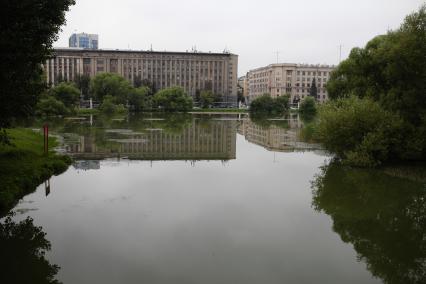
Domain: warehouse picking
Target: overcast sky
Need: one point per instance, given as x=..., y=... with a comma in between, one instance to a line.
x=303, y=31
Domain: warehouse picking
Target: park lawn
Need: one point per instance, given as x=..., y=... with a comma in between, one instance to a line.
x=23, y=166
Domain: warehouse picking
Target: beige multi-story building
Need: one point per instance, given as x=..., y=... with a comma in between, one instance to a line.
x=291, y=79
x=243, y=86
x=193, y=71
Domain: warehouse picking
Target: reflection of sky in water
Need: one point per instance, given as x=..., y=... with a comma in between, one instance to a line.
x=247, y=220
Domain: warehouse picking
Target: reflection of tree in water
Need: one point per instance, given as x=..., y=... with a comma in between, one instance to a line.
x=23, y=247
x=267, y=121
x=384, y=217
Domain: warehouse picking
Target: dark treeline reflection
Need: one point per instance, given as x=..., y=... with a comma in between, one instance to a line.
x=23, y=247
x=382, y=216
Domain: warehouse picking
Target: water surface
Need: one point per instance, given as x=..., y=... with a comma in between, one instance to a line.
x=222, y=199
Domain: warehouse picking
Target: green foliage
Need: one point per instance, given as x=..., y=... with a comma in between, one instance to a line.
x=313, y=91
x=381, y=216
x=109, y=107
x=66, y=93
x=23, y=248
x=83, y=84
x=23, y=165
x=49, y=106
x=28, y=29
x=390, y=70
x=172, y=99
x=282, y=103
x=308, y=107
x=137, y=81
x=110, y=84
x=267, y=105
x=139, y=99
x=359, y=131
x=206, y=99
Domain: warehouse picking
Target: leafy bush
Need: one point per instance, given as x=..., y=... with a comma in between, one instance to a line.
x=66, y=93
x=206, y=98
x=108, y=106
x=268, y=105
x=172, y=99
x=308, y=107
x=49, y=106
x=139, y=99
x=110, y=84
x=359, y=131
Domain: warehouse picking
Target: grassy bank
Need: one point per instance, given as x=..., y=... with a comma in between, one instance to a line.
x=23, y=166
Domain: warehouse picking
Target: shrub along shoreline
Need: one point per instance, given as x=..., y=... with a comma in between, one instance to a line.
x=24, y=166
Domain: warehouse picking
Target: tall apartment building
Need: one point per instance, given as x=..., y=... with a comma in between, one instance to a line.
x=84, y=40
x=193, y=71
x=292, y=79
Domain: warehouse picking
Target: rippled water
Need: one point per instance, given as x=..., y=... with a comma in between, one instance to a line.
x=222, y=199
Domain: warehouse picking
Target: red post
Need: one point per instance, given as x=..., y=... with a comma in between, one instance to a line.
x=46, y=138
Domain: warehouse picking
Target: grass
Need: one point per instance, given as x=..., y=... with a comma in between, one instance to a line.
x=23, y=165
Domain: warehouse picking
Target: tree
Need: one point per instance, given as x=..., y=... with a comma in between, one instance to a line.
x=108, y=106
x=50, y=106
x=150, y=85
x=28, y=29
x=206, y=99
x=83, y=84
x=66, y=93
x=267, y=105
x=313, y=91
x=172, y=99
x=139, y=99
x=110, y=84
x=308, y=107
x=23, y=247
x=390, y=70
x=137, y=81
x=282, y=103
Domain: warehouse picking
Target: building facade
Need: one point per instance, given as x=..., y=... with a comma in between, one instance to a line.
x=292, y=79
x=193, y=71
x=84, y=40
x=243, y=87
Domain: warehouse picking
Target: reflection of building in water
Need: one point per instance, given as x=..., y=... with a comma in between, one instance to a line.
x=87, y=165
x=214, y=140
x=275, y=138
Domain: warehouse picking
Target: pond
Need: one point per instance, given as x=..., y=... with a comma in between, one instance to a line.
x=214, y=199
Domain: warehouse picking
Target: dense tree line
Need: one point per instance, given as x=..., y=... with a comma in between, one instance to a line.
x=28, y=29
x=378, y=99
x=115, y=94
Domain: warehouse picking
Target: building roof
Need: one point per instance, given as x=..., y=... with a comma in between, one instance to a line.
x=79, y=49
x=293, y=65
